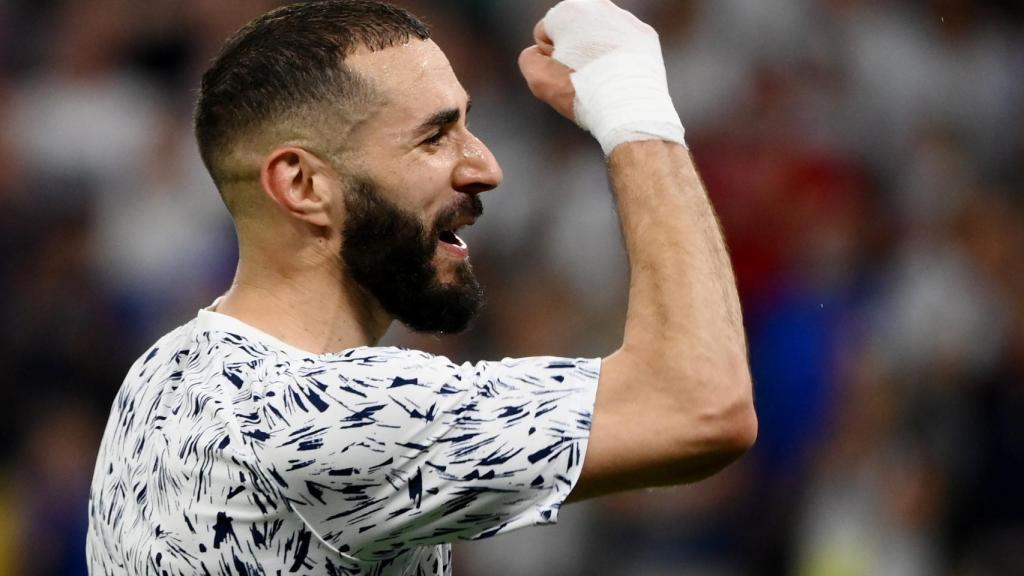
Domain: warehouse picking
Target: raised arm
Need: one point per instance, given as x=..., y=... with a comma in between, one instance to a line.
x=674, y=403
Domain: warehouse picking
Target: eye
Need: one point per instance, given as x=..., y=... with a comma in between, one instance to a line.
x=435, y=139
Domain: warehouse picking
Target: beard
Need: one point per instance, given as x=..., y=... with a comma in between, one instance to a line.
x=390, y=253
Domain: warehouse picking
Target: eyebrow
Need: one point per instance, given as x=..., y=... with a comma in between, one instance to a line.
x=443, y=118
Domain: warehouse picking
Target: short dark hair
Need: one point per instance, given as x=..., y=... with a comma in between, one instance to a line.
x=290, y=58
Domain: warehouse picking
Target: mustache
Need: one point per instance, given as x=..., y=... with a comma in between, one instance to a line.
x=468, y=205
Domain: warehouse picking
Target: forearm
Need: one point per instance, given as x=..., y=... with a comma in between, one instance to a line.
x=682, y=300
x=684, y=344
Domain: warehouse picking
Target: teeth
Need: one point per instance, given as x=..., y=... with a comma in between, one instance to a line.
x=450, y=237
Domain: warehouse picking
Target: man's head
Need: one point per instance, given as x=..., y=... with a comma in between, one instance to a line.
x=338, y=127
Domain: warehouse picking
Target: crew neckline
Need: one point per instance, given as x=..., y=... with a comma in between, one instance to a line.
x=211, y=320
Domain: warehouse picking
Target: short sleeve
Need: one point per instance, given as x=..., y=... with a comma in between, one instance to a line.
x=389, y=449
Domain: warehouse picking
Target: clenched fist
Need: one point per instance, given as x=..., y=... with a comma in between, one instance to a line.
x=600, y=66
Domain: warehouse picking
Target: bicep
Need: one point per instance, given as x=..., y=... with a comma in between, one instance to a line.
x=643, y=434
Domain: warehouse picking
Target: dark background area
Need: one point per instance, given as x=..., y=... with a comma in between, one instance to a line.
x=866, y=159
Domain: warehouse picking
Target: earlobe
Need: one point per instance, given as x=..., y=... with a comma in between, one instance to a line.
x=289, y=178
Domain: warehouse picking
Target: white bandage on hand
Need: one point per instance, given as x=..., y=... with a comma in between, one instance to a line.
x=619, y=73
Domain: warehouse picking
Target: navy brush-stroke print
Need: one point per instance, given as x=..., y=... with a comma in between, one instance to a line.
x=229, y=452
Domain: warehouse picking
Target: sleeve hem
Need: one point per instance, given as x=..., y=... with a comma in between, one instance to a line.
x=545, y=512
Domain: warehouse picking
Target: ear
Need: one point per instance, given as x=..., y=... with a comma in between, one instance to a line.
x=298, y=182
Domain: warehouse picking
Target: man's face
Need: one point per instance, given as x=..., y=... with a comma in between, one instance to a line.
x=412, y=183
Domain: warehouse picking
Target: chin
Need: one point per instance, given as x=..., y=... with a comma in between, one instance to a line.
x=450, y=306
x=454, y=274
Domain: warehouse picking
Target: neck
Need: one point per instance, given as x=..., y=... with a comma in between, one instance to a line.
x=308, y=302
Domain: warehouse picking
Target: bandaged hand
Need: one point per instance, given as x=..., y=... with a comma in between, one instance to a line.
x=613, y=61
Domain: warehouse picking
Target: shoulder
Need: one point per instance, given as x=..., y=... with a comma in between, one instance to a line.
x=175, y=344
x=396, y=370
x=398, y=367
x=255, y=372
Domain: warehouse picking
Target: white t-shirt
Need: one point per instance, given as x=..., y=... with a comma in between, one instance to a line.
x=230, y=452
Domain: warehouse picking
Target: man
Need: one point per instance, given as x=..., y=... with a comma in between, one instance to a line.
x=269, y=435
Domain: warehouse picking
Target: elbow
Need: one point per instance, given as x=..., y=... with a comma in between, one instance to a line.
x=730, y=439
x=728, y=428
x=730, y=436
x=738, y=431
x=736, y=418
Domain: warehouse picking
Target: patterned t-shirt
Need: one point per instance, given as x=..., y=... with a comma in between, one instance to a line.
x=230, y=452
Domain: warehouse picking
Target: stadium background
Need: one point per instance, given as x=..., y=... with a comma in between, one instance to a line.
x=866, y=158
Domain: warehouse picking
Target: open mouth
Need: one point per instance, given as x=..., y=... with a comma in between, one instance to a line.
x=458, y=217
x=450, y=237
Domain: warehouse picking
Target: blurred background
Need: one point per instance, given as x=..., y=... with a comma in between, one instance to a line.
x=866, y=158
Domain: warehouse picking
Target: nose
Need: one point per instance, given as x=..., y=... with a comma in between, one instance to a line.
x=477, y=169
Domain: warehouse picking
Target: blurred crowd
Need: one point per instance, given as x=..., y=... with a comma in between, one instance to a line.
x=866, y=158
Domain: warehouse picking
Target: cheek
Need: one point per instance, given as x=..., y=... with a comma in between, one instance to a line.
x=426, y=183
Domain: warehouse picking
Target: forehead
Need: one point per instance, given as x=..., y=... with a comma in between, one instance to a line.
x=415, y=80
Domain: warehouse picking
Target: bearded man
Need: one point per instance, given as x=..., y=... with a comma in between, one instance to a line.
x=271, y=435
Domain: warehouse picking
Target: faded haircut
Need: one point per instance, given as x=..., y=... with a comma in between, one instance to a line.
x=288, y=64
